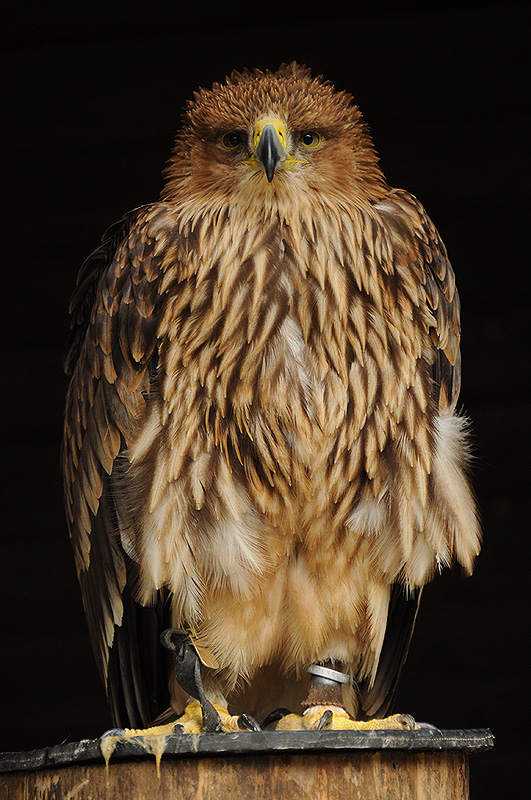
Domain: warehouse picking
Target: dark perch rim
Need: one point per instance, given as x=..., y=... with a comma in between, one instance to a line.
x=473, y=740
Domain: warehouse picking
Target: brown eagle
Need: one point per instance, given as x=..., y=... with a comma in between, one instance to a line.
x=261, y=447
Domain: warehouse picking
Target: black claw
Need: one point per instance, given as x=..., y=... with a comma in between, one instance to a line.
x=326, y=717
x=113, y=732
x=275, y=715
x=211, y=718
x=248, y=723
x=178, y=728
x=187, y=672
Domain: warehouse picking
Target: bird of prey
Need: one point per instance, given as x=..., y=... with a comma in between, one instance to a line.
x=262, y=456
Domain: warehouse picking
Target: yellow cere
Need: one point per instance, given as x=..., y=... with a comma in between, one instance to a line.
x=280, y=128
x=277, y=124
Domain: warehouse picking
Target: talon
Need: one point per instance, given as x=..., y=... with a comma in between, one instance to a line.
x=178, y=728
x=113, y=732
x=325, y=717
x=246, y=722
x=211, y=718
x=407, y=721
x=275, y=716
x=427, y=726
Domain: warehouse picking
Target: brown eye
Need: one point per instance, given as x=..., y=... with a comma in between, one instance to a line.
x=311, y=139
x=231, y=140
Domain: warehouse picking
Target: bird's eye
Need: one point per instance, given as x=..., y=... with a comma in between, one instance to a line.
x=231, y=140
x=311, y=139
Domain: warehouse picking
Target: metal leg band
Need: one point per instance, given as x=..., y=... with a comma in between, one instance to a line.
x=322, y=675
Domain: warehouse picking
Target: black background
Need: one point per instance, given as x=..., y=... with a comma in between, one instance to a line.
x=92, y=101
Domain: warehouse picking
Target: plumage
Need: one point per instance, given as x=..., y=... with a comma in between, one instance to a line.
x=260, y=433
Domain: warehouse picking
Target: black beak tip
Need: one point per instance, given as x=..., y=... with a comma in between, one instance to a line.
x=270, y=170
x=269, y=152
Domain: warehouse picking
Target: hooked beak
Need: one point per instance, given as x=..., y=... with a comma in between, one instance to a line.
x=270, y=145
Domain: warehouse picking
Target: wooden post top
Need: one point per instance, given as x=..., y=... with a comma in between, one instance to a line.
x=252, y=742
x=278, y=765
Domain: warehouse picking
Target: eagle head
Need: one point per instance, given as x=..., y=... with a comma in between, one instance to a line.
x=263, y=135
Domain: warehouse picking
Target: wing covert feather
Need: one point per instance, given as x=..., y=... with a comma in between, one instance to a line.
x=111, y=355
x=417, y=242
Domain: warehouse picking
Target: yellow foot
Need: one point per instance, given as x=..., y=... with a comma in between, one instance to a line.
x=333, y=718
x=153, y=740
x=229, y=724
x=190, y=722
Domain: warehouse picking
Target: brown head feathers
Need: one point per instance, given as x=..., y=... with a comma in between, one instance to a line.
x=302, y=102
